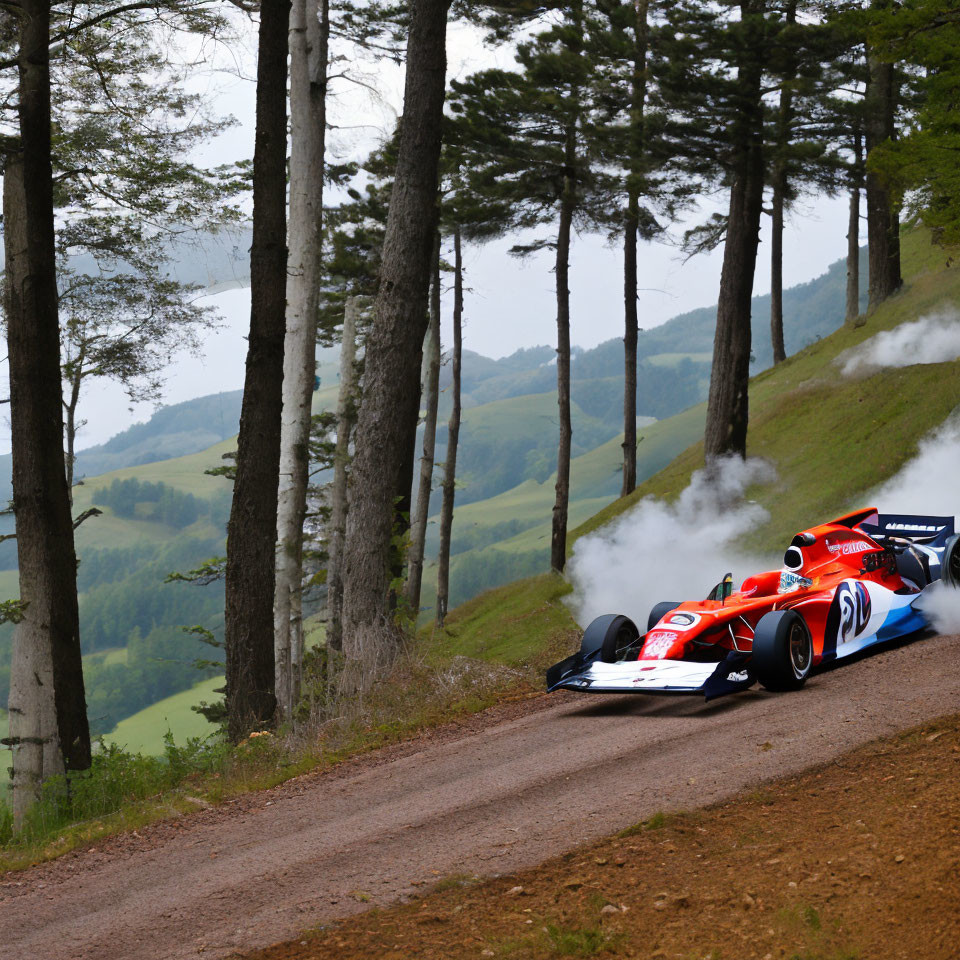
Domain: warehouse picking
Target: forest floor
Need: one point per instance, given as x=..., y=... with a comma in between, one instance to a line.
x=814, y=859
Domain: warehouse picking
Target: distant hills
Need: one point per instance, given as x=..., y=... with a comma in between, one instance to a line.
x=508, y=434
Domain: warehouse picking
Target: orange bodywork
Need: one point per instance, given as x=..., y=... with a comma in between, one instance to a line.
x=831, y=553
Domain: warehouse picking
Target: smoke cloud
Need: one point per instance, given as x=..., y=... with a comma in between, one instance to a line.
x=931, y=339
x=929, y=484
x=941, y=605
x=677, y=551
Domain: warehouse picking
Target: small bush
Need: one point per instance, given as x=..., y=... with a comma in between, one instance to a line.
x=577, y=942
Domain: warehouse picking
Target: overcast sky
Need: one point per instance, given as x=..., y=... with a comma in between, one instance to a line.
x=510, y=303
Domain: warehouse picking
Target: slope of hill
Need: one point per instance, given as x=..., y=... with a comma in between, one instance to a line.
x=832, y=439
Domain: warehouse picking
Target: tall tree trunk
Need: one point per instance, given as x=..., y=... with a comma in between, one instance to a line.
x=780, y=186
x=346, y=418
x=853, y=257
x=883, y=221
x=853, y=229
x=48, y=718
x=388, y=413
x=34, y=736
x=431, y=395
x=453, y=437
x=252, y=530
x=638, y=97
x=727, y=403
x=630, y=332
x=309, y=31
x=558, y=540
x=776, y=268
x=70, y=423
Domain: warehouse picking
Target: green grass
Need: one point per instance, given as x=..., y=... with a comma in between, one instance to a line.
x=520, y=623
x=143, y=732
x=672, y=359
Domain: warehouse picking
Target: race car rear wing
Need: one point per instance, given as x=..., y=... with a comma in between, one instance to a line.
x=931, y=531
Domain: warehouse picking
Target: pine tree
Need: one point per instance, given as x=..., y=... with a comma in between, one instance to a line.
x=386, y=426
x=921, y=165
x=48, y=721
x=523, y=138
x=453, y=435
x=309, y=33
x=252, y=530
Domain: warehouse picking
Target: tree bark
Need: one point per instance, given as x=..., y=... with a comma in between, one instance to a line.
x=883, y=221
x=388, y=413
x=780, y=185
x=309, y=33
x=638, y=93
x=34, y=736
x=453, y=437
x=252, y=530
x=853, y=257
x=70, y=423
x=346, y=418
x=48, y=721
x=776, y=268
x=727, y=403
x=558, y=540
x=431, y=396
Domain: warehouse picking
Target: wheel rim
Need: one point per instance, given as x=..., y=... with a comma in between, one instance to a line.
x=954, y=567
x=800, y=652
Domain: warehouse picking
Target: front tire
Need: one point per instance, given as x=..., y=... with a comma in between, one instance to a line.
x=659, y=611
x=782, y=651
x=610, y=638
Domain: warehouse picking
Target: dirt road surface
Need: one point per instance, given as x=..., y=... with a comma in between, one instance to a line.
x=500, y=798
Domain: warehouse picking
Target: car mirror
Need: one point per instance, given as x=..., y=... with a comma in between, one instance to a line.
x=723, y=589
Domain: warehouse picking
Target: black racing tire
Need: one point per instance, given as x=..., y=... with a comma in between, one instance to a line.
x=950, y=565
x=782, y=651
x=610, y=638
x=659, y=611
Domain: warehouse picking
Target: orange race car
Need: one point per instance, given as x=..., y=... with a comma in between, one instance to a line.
x=845, y=585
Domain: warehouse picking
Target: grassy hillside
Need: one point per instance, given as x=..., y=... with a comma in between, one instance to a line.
x=831, y=439
x=144, y=731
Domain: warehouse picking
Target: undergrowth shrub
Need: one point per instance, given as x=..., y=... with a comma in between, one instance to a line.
x=122, y=790
x=116, y=779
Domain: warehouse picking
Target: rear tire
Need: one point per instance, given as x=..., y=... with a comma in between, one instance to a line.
x=782, y=651
x=660, y=611
x=950, y=569
x=610, y=638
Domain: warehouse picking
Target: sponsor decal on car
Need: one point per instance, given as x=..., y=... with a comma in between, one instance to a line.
x=914, y=527
x=853, y=601
x=847, y=547
x=659, y=643
x=682, y=620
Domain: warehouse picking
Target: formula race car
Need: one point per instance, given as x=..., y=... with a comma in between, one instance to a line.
x=844, y=586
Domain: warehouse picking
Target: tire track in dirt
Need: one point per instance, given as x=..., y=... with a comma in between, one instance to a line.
x=498, y=799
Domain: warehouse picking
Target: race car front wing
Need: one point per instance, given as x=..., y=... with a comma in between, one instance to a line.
x=652, y=676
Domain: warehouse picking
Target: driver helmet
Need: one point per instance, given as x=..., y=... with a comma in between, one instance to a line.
x=791, y=577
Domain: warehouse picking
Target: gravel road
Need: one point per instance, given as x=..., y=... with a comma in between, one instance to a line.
x=497, y=797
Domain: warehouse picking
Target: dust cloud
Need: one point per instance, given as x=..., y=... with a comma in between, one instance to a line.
x=671, y=551
x=931, y=339
x=928, y=484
